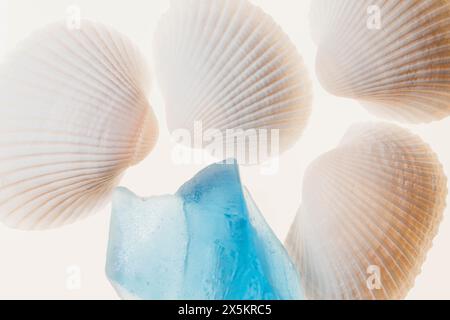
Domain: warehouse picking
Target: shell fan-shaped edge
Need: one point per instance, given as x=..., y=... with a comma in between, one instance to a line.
x=227, y=65
x=370, y=211
x=74, y=116
x=389, y=55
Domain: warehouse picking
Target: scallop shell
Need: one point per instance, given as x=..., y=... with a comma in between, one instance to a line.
x=390, y=55
x=227, y=65
x=74, y=116
x=369, y=213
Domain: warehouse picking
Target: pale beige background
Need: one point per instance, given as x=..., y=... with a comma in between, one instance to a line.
x=36, y=265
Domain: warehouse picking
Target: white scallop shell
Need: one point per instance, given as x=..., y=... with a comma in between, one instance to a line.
x=369, y=213
x=391, y=55
x=74, y=116
x=227, y=65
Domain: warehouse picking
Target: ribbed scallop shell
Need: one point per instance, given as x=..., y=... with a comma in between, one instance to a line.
x=228, y=65
x=400, y=71
x=74, y=116
x=376, y=201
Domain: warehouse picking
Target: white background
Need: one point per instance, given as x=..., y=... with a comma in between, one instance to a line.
x=35, y=265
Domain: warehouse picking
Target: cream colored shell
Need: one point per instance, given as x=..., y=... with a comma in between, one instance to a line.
x=369, y=213
x=74, y=117
x=390, y=55
x=227, y=65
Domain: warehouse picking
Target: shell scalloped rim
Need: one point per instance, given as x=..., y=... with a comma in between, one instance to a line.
x=75, y=116
x=396, y=66
x=373, y=203
x=227, y=65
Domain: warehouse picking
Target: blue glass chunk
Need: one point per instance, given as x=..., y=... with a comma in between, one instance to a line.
x=207, y=242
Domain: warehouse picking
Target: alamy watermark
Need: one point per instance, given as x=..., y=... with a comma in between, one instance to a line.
x=247, y=147
x=73, y=278
x=374, y=17
x=73, y=17
x=374, y=281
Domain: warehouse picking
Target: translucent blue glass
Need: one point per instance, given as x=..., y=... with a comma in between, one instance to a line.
x=208, y=241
